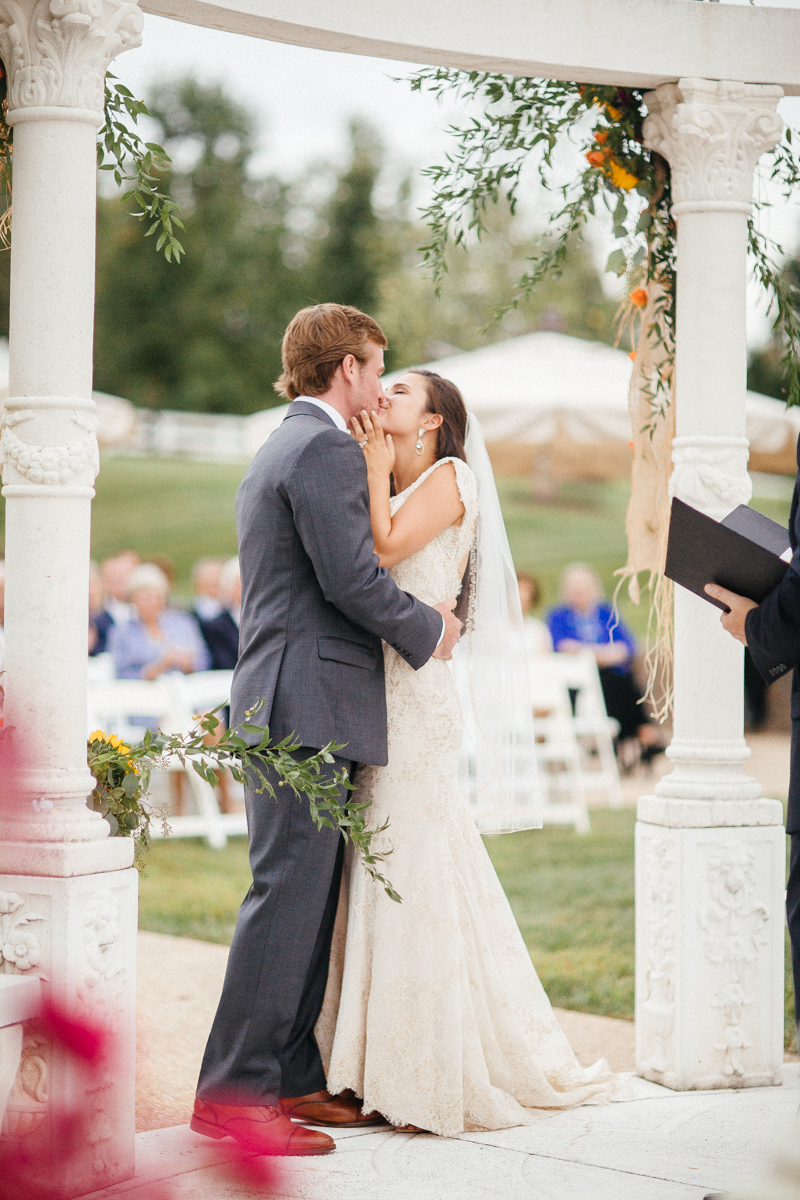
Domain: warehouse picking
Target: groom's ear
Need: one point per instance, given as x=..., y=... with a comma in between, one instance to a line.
x=349, y=366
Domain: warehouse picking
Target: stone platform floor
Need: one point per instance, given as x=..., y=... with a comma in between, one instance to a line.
x=667, y=1145
x=670, y=1146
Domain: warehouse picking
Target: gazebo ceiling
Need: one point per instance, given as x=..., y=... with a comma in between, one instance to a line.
x=638, y=43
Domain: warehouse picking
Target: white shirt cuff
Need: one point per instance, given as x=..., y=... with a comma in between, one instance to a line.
x=441, y=635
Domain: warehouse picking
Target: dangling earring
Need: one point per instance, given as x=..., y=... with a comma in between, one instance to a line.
x=420, y=449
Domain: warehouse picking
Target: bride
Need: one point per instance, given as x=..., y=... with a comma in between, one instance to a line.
x=434, y=1013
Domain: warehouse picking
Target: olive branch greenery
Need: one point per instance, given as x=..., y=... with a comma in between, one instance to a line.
x=122, y=774
x=120, y=149
x=523, y=121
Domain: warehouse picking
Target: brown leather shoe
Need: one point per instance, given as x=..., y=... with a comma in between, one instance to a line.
x=321, y=1108
x=259, y=1129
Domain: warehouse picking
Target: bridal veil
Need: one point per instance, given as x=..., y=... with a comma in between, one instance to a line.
x=498, y=772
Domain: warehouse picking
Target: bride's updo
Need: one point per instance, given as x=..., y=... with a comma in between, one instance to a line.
x=444, y=398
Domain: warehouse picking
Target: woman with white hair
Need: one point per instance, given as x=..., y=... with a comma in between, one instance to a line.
x=157, y=638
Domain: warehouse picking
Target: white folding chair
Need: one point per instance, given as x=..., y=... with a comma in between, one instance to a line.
x=594, y=728
x=118, y=706
x=557, y=748
x=200, y=693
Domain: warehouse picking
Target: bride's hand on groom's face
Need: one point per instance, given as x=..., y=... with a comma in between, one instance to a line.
x=378, y=447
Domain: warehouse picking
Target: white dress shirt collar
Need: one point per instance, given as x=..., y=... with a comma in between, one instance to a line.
x=335, y=416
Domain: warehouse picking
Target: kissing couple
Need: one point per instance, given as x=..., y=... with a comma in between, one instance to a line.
x=358, y=521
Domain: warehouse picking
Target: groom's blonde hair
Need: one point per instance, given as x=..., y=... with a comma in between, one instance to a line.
x=317, y=340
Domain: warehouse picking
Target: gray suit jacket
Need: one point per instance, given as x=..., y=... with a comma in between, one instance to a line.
x=315, y=603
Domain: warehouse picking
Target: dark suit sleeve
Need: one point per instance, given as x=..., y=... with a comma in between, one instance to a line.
x=773, y=628
x=328, y=492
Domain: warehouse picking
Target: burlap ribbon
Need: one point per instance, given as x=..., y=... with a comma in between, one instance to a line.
x=652, y=409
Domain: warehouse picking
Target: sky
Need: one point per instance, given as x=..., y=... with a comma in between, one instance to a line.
x=303, y=100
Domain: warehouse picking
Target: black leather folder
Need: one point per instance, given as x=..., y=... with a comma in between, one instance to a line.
x=742, y=553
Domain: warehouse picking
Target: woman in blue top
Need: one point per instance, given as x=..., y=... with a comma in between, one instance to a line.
x=157, y=638
x=586, y=621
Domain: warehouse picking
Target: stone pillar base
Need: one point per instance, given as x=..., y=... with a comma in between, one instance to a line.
x=709, y=946
x=79, y=935
x=65, y=858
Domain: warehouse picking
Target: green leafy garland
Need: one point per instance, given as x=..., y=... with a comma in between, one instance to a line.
x=526, y=120
x=121, y=150
x=142, y=164
x=122, y=775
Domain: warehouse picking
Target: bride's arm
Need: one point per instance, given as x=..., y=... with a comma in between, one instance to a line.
x=432, y=508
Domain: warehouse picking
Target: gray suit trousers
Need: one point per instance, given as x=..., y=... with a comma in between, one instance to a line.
x=262, y=1045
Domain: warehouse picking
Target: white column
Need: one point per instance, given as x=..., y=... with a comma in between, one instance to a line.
x=67, y=890
x=709, y=850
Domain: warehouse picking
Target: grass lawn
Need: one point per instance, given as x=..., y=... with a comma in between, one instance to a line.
x=572, y=897
x=183, y=510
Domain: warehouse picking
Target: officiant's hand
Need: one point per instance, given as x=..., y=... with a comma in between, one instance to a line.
x=739, y=606
x=452, y=629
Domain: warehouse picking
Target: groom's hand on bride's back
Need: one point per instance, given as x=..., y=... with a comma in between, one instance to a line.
x=452, y=629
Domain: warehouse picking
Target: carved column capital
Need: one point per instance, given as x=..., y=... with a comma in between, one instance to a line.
x=712, y=133
x=56, y=52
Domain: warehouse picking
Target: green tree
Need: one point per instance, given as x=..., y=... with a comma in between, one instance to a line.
x=766, y=370
x=480, y=279
x=204, y=335
x=347, y=262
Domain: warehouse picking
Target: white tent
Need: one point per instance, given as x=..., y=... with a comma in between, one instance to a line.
x=546, y=392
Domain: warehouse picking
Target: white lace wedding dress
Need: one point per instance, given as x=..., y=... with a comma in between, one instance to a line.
x=434, y=1013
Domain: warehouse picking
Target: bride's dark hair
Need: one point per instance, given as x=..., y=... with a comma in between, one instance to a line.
x=445, y=399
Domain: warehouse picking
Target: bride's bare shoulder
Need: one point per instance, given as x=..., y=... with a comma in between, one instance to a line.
x=442, y=490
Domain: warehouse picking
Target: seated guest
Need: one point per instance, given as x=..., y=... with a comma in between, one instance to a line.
x=222, y=632
x=205, y=586
x=100, y=620
x=115, y=572
x=537, y=635
x=157, y=638
x=586, y=621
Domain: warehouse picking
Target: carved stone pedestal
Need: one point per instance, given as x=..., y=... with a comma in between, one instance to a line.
x=709, y=949
x=79, y=935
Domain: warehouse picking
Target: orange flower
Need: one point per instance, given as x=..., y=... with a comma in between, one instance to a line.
x=595, y=157
x=614, y=113
x=632, y=355
x=639, y=297
x=631, y=445
x=601, y=136
x=620, y=177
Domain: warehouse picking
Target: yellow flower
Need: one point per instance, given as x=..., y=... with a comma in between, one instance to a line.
x=110, y=739
x=620, y=177
x=614, y=113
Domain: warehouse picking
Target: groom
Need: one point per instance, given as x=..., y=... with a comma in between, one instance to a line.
x=315, y=607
